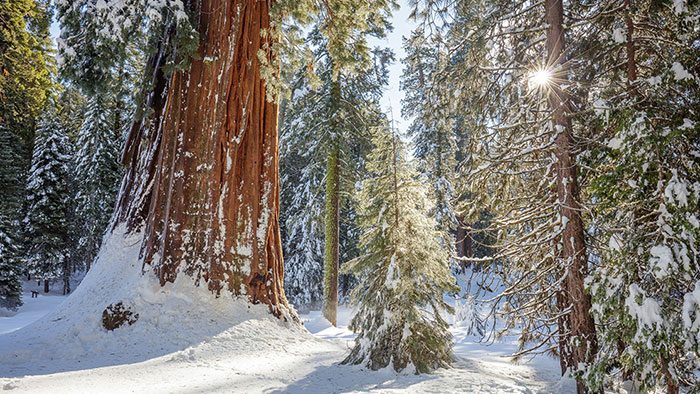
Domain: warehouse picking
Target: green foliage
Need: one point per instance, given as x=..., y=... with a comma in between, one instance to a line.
x=645, y=181
x=11, y=266
x=344, y=25
x=96, y=37
x=25, y=64
x=403, y=270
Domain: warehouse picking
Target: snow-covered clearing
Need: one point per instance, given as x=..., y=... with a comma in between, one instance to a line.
x=262, y=356
x=186, y=341
x=33, y=308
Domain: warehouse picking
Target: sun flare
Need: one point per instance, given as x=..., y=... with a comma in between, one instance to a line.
x=541, y=77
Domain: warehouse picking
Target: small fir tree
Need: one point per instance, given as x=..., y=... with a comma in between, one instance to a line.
x=47, y=198
x=10, y=205
x=98, y=171
x=404, y=272
x=301, y=221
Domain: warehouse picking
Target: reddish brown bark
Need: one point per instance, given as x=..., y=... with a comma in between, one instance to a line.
x=631, y=65
x=202, y=169
x=463, y=240
x=580, y=341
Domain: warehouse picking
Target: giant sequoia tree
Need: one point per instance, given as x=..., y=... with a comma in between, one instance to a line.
x=201, y=159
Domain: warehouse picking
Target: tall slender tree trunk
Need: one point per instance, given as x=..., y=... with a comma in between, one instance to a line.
x=332, y=222
x=332, y=232
x=202, y=169
x=581, y=345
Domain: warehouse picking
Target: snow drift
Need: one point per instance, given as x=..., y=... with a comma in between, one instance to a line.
x=171, y=319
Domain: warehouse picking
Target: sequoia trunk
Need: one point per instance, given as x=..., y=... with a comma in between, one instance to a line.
x=202, y=169
x=580, y=341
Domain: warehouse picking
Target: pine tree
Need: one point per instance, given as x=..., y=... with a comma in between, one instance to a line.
x=433, y=127
x=11, y=266
x=98, y=170
x=403, y=270
x=301, y=207
x=324, y=144
x=25, y=65
x=25, y=85
x=47, y=201
x=72, y=104
x=644, y=106
x=352, y=109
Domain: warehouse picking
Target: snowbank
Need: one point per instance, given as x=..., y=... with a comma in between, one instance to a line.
x=171, y=319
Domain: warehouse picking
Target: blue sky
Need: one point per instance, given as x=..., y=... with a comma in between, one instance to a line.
x=392, y=95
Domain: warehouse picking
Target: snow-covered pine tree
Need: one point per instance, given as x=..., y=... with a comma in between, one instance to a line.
x=72, y=107
x=433, y=127
x=97, y=171
x=11, y=184
x=46, y=227
x=646, y=285
x=403, y=271
x=301, y=207
x=325, y=132
x=25, y=84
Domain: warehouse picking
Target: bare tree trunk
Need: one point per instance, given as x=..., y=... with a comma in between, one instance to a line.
x=460, y=237
x=464, y=243
x=66, y=268
x=202, y=169
x=580, y=336
x=671, y=387
x=332, y=222
x=46, y=285
x=332, y=232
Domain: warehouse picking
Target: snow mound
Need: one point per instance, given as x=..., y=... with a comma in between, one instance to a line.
x=171, y=320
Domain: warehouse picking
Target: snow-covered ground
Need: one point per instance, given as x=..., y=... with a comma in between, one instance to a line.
x=186, y=341
x=33, y=308
x=259, y=355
